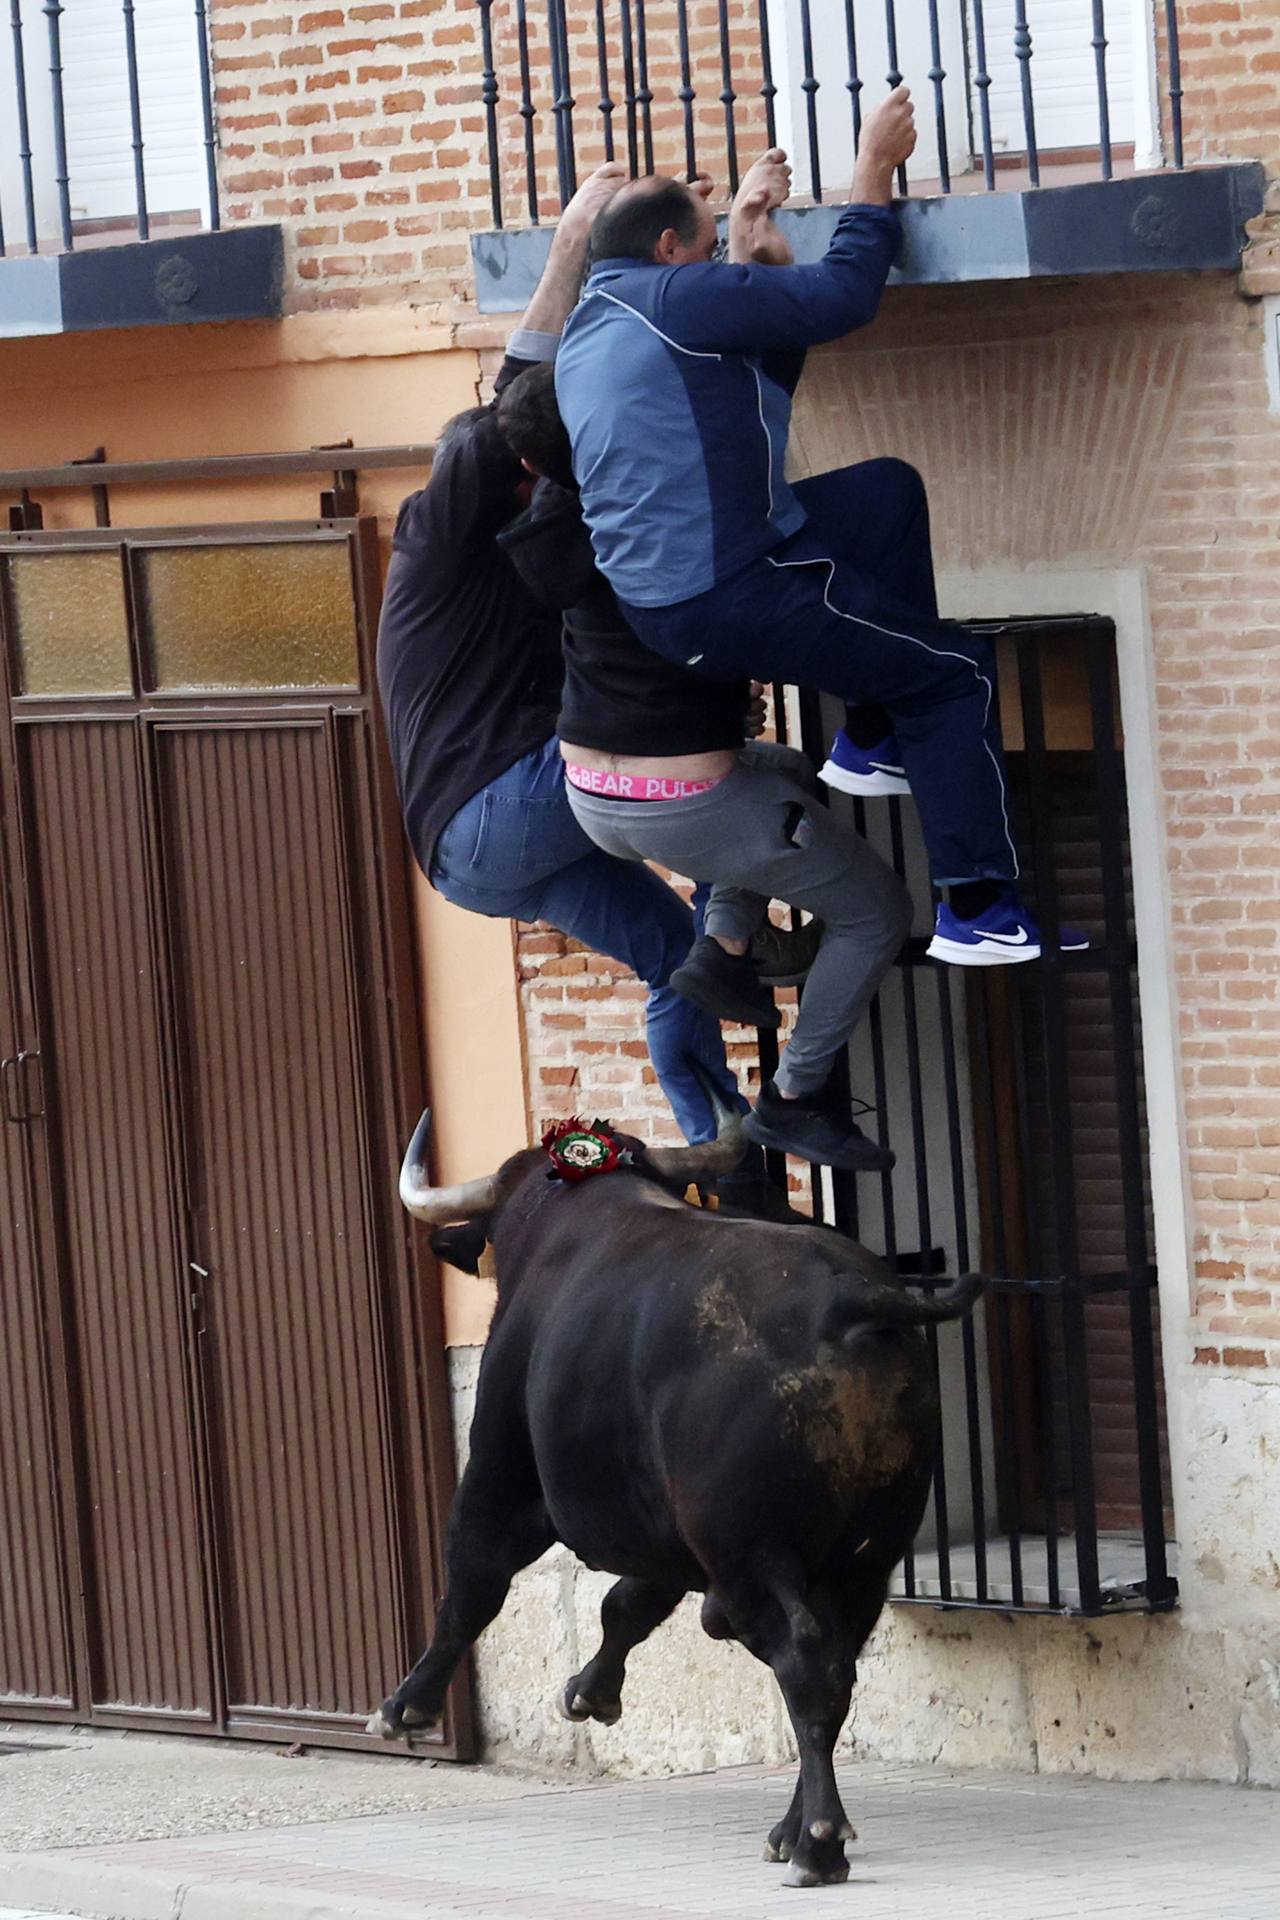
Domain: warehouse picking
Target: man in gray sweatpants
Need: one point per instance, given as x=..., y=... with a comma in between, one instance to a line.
x=759, y=833
x=657, y=769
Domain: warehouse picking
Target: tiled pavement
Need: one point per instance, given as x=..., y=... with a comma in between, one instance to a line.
x=934, y=1846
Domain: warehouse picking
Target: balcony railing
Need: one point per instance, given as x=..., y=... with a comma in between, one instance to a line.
x=106, y=123
x=704, y=84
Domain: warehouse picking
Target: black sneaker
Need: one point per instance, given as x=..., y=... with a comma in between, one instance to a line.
x=812, y=1132
x=725, y=985
x=782, y=956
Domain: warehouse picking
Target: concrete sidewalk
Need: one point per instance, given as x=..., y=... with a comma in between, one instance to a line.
x=934, y=1846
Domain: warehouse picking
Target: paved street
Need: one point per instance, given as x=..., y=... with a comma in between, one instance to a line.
x=933, y=1846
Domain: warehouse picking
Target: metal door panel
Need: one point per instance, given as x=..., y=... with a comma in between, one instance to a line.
x=273, y=1099
x=104, y=1021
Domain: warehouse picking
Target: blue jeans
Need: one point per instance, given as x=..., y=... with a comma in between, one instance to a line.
x=847, y=606
x=516, y=852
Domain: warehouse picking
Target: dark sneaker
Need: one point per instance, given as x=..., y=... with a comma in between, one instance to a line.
x=868, y=771
x=782, y=956
x=725, y=985
x=812, y=1132
x=1002, y=936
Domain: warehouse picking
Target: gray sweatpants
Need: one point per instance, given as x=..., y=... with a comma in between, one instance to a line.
x=761, y=835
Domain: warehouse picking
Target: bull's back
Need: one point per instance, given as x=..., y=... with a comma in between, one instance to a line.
x=680, y=1385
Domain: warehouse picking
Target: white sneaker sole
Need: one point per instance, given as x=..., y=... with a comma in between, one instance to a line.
x=958, y=955
x=869, y=785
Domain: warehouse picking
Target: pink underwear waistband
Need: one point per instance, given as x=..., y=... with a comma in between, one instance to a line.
x=634, y=786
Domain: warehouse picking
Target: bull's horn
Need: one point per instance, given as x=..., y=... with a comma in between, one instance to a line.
x=440, y=1206
x=712, y=1157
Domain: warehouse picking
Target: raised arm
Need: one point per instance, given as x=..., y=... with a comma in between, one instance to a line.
x=754, y=304
x=557, y=291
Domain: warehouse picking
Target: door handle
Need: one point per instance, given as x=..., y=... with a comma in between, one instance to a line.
x=13, y=1082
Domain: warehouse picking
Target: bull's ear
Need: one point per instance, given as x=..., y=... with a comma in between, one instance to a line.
x=462, y=1246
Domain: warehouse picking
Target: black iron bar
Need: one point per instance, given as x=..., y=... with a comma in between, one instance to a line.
x=135, y=121
x=1058, y=1102
x=645, y=92
x=844, y=1185
x=1002, y=1306
x=1099, y=44
x=688, y=93
x=206, y=112
x=924, y=1211
x=1022, y=53
x=629, y=89
x=809, y=87
x=894, y=75
x=982, y=85
x=854, y=82
x=1109, y=767
x=1175, y=79
x=52, y=11
x=727, y=96
x=489, y=95
x=527, y=110
x=768, y=91
x=875, y=1028
x=938, y=74
x=960, y=1210
x=1040, y=1304
x=563, y=102
x=606, y=99
x=24, y=126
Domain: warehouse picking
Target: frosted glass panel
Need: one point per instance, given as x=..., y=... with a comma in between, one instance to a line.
x=275, y=615
x=71, y=633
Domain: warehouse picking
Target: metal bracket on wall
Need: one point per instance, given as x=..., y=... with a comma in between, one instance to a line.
x=101, y=498
x=13, y=1083
x=342, y=501
x=27, y=516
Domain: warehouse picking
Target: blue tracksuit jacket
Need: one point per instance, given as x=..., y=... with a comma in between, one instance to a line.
x=678, y=410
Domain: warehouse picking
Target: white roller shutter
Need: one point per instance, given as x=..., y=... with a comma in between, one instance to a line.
x=1063, y=77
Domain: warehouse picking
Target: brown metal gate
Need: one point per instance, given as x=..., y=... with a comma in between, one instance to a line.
x=211, y=1312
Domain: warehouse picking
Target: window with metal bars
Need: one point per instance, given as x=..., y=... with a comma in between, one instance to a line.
x=1014, y=1100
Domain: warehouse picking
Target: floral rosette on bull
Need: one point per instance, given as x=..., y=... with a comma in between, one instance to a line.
x=577, y=1150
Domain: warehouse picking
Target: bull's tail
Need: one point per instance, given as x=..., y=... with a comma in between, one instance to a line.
x=870, y=1304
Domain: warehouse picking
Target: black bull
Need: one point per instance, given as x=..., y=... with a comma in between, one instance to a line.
x=697, y=1402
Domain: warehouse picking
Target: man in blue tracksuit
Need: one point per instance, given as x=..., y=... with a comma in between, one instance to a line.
x=679, y=439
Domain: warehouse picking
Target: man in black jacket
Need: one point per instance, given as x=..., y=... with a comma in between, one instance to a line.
x=470, y=670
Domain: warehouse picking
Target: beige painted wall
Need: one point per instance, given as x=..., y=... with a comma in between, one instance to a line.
x=380, y=378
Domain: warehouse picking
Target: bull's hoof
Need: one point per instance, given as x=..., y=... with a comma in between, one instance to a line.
x=827, y=1830
x=395, y=1722
x=800, y=1876
x=776, y=1851
x=580, y=1706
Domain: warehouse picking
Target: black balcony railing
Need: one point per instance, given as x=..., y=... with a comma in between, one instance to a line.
x=78, y=95
x=584, y=65
x=1014, y=1101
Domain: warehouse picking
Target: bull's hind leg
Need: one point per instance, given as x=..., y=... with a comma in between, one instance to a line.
x=813, y=1662
x=815, y=1671
x=498, y=1525
x=629, y=1613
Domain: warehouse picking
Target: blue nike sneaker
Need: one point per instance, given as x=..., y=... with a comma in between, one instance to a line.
x=1002, y=936
x=864, y=770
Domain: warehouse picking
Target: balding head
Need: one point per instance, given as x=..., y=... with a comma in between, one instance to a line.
x=655, y=219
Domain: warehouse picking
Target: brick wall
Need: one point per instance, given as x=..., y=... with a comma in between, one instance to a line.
x=360, y=127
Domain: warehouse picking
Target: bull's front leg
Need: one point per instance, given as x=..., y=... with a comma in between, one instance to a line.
x=499, y=1524
x=629, y=1613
